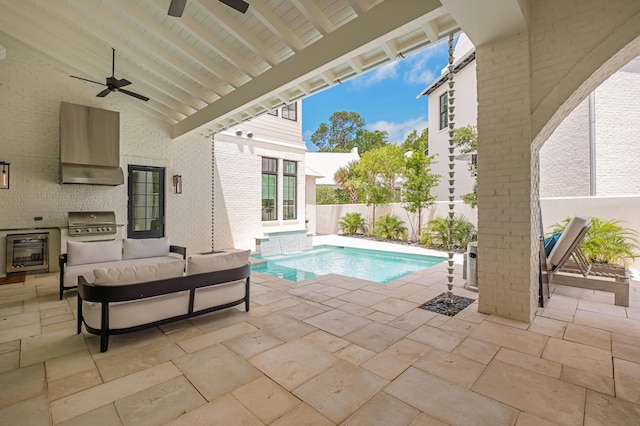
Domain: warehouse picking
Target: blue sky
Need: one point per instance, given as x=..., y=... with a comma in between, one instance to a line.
x=385, y=97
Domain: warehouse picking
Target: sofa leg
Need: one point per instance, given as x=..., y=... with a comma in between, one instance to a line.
x=79, y=315
x=104, y=342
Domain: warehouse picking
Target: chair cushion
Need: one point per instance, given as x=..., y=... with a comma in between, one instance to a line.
x=569, y=235
x=147, y=247
x=139, y=273
x=199, y=264
x=80, y=253
x=550, y=242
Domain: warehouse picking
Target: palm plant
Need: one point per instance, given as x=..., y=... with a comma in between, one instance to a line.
x=351, y=223
x=436, y=233
x=607, y=241
x=347, y=179
x=391, y=227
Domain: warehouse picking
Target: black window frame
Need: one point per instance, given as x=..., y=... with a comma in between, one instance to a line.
x=269, y=214
x=290, y=112
x=444, y=107
x=289, y=182
x=148, y=233
x=273, y=112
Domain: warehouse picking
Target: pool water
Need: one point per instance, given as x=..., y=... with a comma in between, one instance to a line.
x=372, y=265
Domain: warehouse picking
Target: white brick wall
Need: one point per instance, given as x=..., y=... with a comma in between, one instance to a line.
x=527, y=84
x=31, y=91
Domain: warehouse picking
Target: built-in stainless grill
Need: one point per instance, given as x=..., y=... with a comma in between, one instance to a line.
x=92, y=223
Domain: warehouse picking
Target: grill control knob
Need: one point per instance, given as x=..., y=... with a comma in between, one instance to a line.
x=77, y=231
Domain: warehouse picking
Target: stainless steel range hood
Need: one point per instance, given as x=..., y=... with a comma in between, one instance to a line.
x=89, y=145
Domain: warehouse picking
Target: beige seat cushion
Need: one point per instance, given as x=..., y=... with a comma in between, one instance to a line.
x=139, y=273
x=199, y=264
x=569, y=235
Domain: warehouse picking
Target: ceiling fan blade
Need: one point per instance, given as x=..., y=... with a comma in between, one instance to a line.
x=86, y=79
x=239, y=5
x=176, y=8
x=104, y=93
x=123, y=82
x=135, y=95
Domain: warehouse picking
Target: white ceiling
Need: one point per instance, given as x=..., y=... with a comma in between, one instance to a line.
x=215, y=67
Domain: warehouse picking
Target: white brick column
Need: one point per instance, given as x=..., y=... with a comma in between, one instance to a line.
x=508, y=212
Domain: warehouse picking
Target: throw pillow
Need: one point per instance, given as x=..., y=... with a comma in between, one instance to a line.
x=549, y=242
x=81, y=253
x=146, y=247
x=139, y=273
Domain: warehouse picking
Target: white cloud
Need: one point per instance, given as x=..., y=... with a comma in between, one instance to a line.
x=418, y=72
x=385, y=72
x=398, y=131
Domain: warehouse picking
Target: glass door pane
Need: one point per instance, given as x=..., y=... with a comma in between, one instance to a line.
x=146, y=202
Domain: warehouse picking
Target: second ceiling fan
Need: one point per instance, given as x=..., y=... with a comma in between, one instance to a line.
x=176, y=8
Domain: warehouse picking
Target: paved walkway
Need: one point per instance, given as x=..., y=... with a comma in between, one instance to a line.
x=331, y=350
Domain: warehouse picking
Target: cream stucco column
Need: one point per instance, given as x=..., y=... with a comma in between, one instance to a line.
x=508, y=212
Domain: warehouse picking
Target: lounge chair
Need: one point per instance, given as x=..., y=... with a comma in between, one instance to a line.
x=568, y=265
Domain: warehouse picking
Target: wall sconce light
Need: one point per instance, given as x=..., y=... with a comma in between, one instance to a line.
x=4, y=177
x=177, y=184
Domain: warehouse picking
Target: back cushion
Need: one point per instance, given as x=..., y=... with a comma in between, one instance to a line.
x=568, y=236
x=80, y=253
x=199, y=264
x=139, y=274
x=148, y=247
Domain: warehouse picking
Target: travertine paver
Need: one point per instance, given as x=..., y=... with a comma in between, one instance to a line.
x=455, y=368
x=216, y=370
x=383, y=409
x=293, y=363
x=376, y=337
x=509, y=337
x=224, y=411
x=363, y=297
x=337, y=322
x=551, y=399
x=160, y=403
x=252, y=364
x=340, y=390
x=266, y=399
x=588, y=336
x=627, y=375
x=595, y=360
x=434, y=396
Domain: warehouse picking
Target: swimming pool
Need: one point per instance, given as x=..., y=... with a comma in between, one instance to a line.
x=372, y=265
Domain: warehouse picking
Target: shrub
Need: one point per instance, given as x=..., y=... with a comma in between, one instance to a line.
x=436, y=233
x=607, y=241
x=390, y=227
x=351, y=223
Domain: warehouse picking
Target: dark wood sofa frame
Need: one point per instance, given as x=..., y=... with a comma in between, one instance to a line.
x=62, y=260
x=108, y=294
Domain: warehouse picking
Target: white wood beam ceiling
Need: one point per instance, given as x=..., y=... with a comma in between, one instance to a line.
x=215, y=67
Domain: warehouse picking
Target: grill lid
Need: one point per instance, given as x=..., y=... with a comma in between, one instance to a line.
x=91, y=223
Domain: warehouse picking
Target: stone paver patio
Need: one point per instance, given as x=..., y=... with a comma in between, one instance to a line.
x=331, y=350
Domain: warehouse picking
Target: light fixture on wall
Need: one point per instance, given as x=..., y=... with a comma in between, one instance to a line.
x=177, y=184
x=4, y=178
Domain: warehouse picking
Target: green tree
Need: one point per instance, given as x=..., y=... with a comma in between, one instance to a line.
x=416, y=190
x=379, y=170
x=326, y=194
x=366, y=140
x=416, y=141
x=348, y=180
x=466, y=139
x=339, y=133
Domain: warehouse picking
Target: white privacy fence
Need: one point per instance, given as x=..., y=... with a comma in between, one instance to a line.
x=554, y=210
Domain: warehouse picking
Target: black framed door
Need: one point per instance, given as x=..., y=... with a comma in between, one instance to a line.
x=146, y=202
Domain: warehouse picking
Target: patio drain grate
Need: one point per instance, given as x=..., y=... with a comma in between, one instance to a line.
x=439, y=304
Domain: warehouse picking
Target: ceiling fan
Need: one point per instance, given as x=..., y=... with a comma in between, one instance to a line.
x=113, y=84
x=177, y=6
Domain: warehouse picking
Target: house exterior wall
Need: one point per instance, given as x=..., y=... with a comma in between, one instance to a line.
x=527, y=84
x=238, y=186
x=31, y=91
x=466, y=108
x=617, y=130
